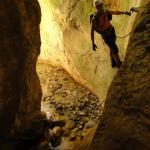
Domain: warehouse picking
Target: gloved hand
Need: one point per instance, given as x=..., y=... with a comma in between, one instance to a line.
x=94, y=46
x=134, y=9
x=127, y=13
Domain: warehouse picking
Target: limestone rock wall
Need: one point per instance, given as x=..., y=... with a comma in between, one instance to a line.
x=126, y=118
x=20, y=91
x=67, y=22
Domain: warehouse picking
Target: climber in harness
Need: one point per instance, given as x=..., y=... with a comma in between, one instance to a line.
x=100, y=22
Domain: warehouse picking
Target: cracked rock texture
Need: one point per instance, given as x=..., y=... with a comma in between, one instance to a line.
x=20, y=91
x=125, y=123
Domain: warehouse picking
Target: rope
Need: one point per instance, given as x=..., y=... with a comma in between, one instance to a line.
x=123, y=37
x=133, y=9
x=141, y=7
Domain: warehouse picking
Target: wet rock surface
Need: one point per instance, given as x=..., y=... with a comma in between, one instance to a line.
x=64, y=99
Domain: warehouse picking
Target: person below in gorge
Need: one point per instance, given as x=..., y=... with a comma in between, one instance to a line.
x=100, y=22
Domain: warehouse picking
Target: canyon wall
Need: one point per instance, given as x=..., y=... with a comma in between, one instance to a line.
x=20, y=91
x=126, y=118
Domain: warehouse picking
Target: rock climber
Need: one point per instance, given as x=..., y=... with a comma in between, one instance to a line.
x=100, y=22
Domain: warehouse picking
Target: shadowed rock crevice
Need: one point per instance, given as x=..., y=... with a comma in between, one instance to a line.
x=20, y=91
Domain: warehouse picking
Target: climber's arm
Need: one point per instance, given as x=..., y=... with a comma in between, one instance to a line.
x=118, y=12
x=92, y=36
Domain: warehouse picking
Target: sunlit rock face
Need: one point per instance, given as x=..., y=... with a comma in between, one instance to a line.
x=126, y=119
x=20, y=91
x=65, y=34
x=52, y=36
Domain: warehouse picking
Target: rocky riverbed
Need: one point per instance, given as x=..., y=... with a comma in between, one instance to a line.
x=65, y=99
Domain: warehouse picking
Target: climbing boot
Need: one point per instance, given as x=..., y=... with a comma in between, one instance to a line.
x=119, y=64
x=113, y=63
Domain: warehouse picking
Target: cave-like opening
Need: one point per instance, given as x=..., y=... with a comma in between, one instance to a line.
x=65, y=36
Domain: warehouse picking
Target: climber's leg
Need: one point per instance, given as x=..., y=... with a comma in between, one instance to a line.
x=110, y=39
x=113, y=61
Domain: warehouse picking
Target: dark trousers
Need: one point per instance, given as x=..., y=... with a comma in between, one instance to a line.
x=109, y=37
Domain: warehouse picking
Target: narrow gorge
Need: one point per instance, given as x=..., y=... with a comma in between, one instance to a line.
x=56, y=93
